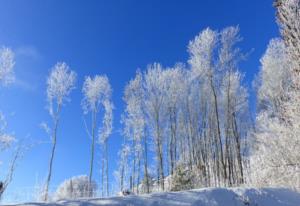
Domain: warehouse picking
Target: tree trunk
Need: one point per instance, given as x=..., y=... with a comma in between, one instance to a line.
x=218, y=128
x=146, y=164
x=106, y=161
x=56, y=120
x=92, y=152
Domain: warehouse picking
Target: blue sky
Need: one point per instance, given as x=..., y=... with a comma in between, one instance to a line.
x=111, y=37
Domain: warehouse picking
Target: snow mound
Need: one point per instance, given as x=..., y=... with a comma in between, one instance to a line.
x=198, y=197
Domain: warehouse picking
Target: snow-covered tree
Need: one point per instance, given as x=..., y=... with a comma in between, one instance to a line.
x=203, y=61
x=134, y=126
x=7, y=140
x=6, y=66
x=274, y=77
x=174, y=78
x=75, y=187
x=214, y=60
x=195, y=118
x=60, y=83
x=6, y=77
x=288, y=14
x=155, y=97
x=123, y=167
x=275, y=158
x=96, y=93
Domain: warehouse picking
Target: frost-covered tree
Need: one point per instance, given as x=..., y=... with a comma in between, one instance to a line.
x=155, y=103
x=75, y=187
x=174, y=78
x=134, y=127
x=274, y=77
x=6, y=77
x=203, y=62
x=103, y=93
x=275, y=158
x=6, y=66
x=123, y=167
x=96, y=93
x=214, y=59
x=60, y=83
x=195, y=117
x=7, y=140
x=288, y=14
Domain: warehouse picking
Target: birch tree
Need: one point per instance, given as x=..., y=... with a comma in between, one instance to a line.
x=60, y=83
x=106, y=128
x=155, y=104
x=7, y=76
x=173, y=90
x=196, y=116
x=203, y=61
x=96, y=92
x=135, y=126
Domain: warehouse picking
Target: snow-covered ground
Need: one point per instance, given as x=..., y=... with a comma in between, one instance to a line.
x=199, y=197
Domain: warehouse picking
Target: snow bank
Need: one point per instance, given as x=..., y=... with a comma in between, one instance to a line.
x=199, y=197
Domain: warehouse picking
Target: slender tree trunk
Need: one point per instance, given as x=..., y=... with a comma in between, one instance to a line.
x=160, y=168
x=122, y=178
x=238, y=150
x=54, y=135
x=102, y=177
x=227, y=138
x=134, y=163
x=172, y=147
x=92, y=152
x=218, y=127
x=138, y=174
x=106, y=161
x=146, y=163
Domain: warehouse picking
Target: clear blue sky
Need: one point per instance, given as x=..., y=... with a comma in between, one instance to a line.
x=110, y=37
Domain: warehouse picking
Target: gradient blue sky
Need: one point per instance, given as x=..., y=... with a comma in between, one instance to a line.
x=111, y=37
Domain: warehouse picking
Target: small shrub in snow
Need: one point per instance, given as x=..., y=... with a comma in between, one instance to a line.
x=182, y=179
x=76, y=187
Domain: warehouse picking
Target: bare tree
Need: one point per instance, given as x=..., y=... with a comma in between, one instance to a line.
x=60, y=83
x=96, y=91
x=106, y=129
x=155, y=102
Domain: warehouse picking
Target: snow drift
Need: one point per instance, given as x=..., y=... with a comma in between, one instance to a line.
x=198, y=197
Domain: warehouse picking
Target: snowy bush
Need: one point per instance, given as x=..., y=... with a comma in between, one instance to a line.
x=76, y=187
x=182, y=179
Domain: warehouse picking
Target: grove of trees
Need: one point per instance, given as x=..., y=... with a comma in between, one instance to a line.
x=188, y=125
x=194, y=116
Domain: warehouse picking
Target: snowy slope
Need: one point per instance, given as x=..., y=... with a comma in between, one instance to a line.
x=200, y=197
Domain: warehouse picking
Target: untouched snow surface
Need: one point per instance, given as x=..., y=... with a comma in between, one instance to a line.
x=199, y=197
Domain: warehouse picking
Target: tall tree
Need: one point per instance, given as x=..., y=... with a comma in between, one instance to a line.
x=96, y=92
x=60, y=83
x=155, y=103
x=203, y=61
x=135, y=126
x=173, y=91
x=105, y=130
x=277, y=136
x=7, y=76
